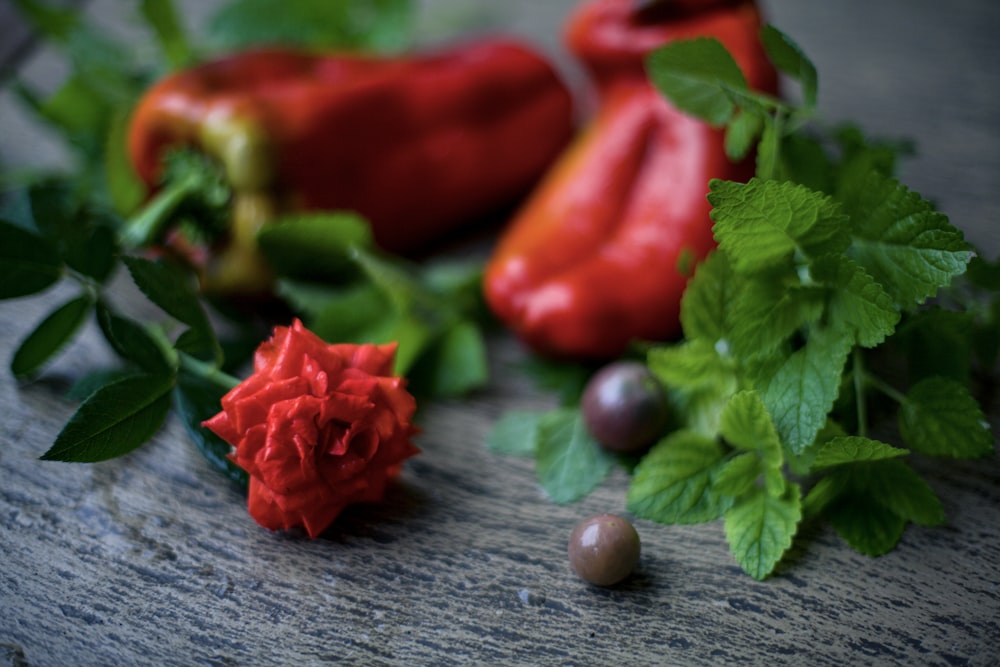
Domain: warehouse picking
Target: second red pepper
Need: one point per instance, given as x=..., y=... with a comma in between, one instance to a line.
x=601, y=253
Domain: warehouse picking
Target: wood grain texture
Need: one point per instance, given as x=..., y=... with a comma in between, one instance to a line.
x=152, y=559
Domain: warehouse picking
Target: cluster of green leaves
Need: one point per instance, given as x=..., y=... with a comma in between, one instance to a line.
x=71, y=229
x=49, y=235
x=332, y=275
x=825, y=265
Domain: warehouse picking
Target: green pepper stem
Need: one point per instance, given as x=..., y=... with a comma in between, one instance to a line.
x=150, y=223
x=207, y=371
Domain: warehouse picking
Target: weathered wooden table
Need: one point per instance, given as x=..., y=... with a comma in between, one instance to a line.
x=152, y=559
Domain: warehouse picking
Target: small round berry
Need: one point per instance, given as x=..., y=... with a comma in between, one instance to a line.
x=624, y=407
x=604, y=549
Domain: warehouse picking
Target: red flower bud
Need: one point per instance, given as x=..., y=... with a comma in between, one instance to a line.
x=317, y=427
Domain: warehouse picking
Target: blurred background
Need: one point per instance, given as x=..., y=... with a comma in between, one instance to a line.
x=905, y=69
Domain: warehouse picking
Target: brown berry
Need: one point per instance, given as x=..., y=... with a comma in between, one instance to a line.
x=604, y=549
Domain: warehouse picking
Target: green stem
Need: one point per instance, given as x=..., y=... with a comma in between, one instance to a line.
x=207, y=371
x=861, y=405
x=149, y=224
x=886, y=389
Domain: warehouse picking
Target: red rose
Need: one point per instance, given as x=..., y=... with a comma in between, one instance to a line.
x=317, y=427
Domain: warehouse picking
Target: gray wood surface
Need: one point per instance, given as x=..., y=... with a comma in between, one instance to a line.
x=152, y=559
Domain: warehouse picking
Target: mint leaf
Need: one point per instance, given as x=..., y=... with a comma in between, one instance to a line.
x=898, y=487
x=170, y=288
x=115, y=420
x=569, y=464
x=939, y=342
x=739, y=475
x=869, y=528
x=910, y=249
x=768, y=311
x=28, y=263
x=802, y=391
x=50, y=336
x=675, y=482
x=760, y=528
x=742, y=132
x=761, y=224
x=941, y=418
x=856, y=302
x=708, y=298
x=852, y=449
x=694, y=75
x=693, y=364
x=515, y=432
x=746, y=425
x=788, y=57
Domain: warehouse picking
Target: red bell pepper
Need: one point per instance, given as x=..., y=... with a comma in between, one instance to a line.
x=418, y=144
x=600, y=254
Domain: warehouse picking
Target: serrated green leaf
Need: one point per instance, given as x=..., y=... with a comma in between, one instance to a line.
x=742, y=133
x=746, y=425
x=692, y=365
x=196, y=401
x=868, y=527
x=852, y=449
x=910, y=249
x=761, y=224
x=768, y=159
x=767, y=311
x=50, y=336
x=569, y=462
x=788, y=57
x=941, y=418
x=939, y=342
x=899, y=488
x=706, y=304
x=760, y=527
x=801, y=393
x=315, y=246
x=134, y=343
x=28, y=263
x=515, y=432
x=115, y=420
x=170, y=288
x=805, y=161
x=453, y=365
x=738, y=475
x=675, y=482
x=857, y=302
x=693, y=74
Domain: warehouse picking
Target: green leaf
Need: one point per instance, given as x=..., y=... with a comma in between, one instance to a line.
x=938, y=342
x=898, y=487
x=869, y=528
x=910, y=249
x=675, y=482
x=760, y=528
x=161, y=16
x=382, y=25
x=852, y=449
x=170, y=288
x=569, y=462
x=746, y=425
x=760, y=224
x=692, y=365
x=739, y=475
x=453, y=365
x=693, y=74
x=94, y=380
x=50, y=336
x=802, y=391
x=767, y=311
x=742, y=132
x=115, y=420
x=196, y=401
x=135, y=343
x=28, y=263
x=707, y=301
x=515, y=432
x=788, y=57
x=941, y=418
x=315, y=246
x=857, y=302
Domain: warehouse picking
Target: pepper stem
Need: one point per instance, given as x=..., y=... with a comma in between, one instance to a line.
x=149, y=225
